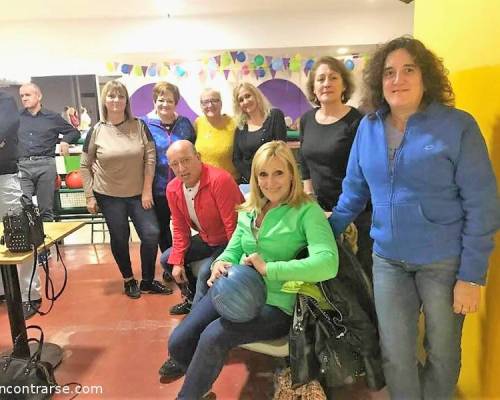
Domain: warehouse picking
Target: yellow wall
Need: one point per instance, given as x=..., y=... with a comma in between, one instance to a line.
x=466, y=34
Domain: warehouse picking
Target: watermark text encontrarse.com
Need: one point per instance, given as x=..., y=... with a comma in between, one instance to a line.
x=66, y=389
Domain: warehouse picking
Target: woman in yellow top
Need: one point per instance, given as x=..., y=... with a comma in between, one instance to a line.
x=215, y=133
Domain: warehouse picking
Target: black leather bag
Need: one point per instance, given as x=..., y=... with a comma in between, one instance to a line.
x=336, y=346
x=23, y=229
x=303, y=362
x=319, y=347
x=26, y=379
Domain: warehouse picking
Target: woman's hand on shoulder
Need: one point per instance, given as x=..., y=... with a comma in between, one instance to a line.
x=218, y=269
x=257, y=262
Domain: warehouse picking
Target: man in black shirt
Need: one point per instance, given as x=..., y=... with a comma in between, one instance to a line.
x=38, y=134
x=10, y=193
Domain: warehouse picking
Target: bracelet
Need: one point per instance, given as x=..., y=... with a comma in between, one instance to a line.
x=473, y=283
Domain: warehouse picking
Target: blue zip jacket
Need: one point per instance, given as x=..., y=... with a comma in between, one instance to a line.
x=439, y=202
x=182, y=129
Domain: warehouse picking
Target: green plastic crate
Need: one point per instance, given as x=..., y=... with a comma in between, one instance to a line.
x=72, y=163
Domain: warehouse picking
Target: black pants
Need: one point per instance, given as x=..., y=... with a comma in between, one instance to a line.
x=163, y=215
x=198, y=250
x=365, y=242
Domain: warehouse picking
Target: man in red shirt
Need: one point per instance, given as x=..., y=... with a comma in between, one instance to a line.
x=204, y=199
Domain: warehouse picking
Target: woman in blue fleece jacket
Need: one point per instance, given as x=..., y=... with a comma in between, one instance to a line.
x=425, y=167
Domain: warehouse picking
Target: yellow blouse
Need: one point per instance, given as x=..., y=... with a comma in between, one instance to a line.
x=216, y=144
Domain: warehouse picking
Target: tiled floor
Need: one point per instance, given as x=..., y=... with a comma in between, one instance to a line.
x=118, y=343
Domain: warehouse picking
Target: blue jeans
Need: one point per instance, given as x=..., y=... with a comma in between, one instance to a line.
x=401, y=289
x=116, y=211
x=201, y=343
x=198, y=250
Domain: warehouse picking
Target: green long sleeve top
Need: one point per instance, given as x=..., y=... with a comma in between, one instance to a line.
x=284, y=231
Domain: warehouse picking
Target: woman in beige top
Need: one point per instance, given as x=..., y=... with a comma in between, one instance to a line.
x=118, y=166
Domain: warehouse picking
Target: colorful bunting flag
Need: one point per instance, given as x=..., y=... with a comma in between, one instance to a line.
x=239, y=62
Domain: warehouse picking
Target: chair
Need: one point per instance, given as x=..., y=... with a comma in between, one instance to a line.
x=274, y=348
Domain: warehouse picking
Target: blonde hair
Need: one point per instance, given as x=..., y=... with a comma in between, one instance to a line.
x=263, y=104
x=115, y=86
x=269, y=150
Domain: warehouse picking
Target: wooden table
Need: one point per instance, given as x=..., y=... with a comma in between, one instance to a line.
x=54, y=231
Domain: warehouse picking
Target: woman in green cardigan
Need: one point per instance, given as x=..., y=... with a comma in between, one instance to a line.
x=274, y=224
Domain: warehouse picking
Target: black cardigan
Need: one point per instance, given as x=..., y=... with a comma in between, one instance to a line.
x=246, y=143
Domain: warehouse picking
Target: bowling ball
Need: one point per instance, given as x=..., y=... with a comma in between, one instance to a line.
x=240, y=295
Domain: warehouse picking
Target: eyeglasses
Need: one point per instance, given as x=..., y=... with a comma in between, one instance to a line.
x=184, y=162
x=207, y=102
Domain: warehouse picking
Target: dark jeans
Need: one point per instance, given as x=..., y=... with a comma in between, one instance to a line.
x=201, y=343
x=116, y=211
x=38, y=177
x=163, y=215
x=198, y=250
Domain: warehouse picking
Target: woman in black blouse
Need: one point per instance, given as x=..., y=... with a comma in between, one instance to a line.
x=326, y=135
x=257, y=123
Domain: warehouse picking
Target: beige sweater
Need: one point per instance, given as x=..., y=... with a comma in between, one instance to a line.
x=122, y=156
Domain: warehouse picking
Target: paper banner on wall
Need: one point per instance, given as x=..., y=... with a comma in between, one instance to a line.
x=241, y=56
x=151, y=71
x=233, y=55
x=308, y=66
x=126, y=68
x=286, y=62
x=240, y=63
x=111, y=66
x=164, y=70
x=225, y=60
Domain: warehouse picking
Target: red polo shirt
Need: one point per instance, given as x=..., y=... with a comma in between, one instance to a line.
x=215, y=206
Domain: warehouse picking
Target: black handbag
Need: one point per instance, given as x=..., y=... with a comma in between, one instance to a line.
x=335, y=346
x=319, y=347
x=303, y=362
x=23, y=229
x=26, y=379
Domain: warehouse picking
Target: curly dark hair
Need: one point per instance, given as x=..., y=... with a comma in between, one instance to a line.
x=437, y=86
x=337, y=66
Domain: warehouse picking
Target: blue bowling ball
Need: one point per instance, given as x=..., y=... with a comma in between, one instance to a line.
x=240, y=295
